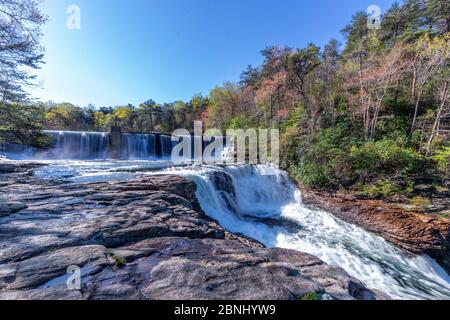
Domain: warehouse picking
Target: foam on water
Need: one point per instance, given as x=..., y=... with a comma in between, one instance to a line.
x=262, y=203
x=367, y=257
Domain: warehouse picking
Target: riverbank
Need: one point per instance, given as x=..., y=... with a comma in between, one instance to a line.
x=145, y=238
x=411, y=230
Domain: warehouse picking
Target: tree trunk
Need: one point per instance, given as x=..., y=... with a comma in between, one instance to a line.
x=435, y=130
x=416, y=110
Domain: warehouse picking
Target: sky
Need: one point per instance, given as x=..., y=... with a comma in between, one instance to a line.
x=129, y=51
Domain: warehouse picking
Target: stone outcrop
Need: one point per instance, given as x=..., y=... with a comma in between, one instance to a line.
x=142, y=239
x=415, y=232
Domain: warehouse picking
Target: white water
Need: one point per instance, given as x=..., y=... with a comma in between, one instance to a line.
x=269, y=208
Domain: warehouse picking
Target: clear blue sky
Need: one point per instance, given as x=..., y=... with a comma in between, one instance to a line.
x=167, y=50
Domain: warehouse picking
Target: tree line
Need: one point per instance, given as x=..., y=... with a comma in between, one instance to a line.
x=370, y=114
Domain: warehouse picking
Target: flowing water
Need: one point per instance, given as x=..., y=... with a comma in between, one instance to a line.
x=260, y=202
x=138, y=146
x=80, y=145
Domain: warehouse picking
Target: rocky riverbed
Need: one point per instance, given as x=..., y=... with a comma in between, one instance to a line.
x=141, y=239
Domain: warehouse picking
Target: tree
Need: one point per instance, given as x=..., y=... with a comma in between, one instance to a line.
x=442, y=108
x=21, y=124
x=167, y=118
x=224, y=104
x=125, y=116
x=395, y=24
x=271, y=93
x=102, y=121
x=199, y=104
x=149, y=111
x=179, y=108
x=20, y=23
x=328, y=74
x=439, y=11
x=275, y=60
x=430, y=54
x=377, y=80
x=250, y=77
x=64, y=116
x=301, y=64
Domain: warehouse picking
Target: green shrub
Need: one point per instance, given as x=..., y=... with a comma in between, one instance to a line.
x=119, y=262
x=312, y=175
x=382, y=188
x=297, y=118
x=374, y=160
x=312, y=296
x=419, y=202
x=442, y=159
x=241, y=122
x=322, y=162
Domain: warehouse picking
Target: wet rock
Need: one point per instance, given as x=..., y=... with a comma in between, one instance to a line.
x=423, y=188
x=413, y=231
x=143, y=239
x=40, y=269
x=7, y=166
x=182, y=268
x=102, y=197
x=11, y=207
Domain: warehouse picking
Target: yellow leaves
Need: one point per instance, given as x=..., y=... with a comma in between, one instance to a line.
x=428, y=46
x=123, y=113
x=102, y=120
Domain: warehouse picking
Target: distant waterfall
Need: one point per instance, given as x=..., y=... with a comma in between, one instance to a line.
x=166, y=146
x=138, y=146
x=79, y=145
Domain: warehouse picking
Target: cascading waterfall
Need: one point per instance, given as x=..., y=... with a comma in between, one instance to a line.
x=262, y=203
x=138, y=146
x=166, y=146
x=79, y=145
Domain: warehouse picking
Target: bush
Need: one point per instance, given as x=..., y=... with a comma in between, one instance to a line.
x=384, y=159
x=322, y=162
x=313, y=175
x=419, y=202
x=242, y=122
x=313, y=296
x=442, y=159
x=382, y=188
x=339, y=157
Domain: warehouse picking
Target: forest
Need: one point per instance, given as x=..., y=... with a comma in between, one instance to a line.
x=371, y=115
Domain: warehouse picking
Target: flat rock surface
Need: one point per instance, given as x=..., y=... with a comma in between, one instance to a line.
x=141, y=239
x=416, y=232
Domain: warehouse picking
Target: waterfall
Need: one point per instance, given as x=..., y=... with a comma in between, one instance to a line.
x=262, y=203
x=78, y=145
x=166, y=146
x=17, y=151
x=138, y=146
